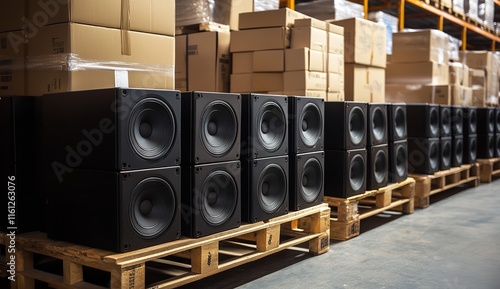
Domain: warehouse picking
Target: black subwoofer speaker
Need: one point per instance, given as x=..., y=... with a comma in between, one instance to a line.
x=445, y=153
x=457, y=120
x=264, y=128
x=470, y=120
x=211, y=127
x=265, y=188
x=485, y=120
x=445, y=120
x=377, y=167
x=306, y=180
x=423, y=120
x=470, y=149
x=345, y=173
x=112, y=129
x=396, y=115
x=211, y=199
x=398, y=161
x=117, y=211
x=306, y=122
x=457, y=151
x=497, y=120
x=377, y=124
x=497, y=145
x=485, y=146
x=345, y=125
x=423, y=155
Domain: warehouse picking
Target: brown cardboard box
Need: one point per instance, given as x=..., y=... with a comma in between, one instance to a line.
x=311, y=22
x=335, y=96
x=477, y=78
x=241, y=82
x=304, y=80
x=335, y=39
x=461, y=95
x=478, y=97
x=209, y=61
x=418, y=73
x=335, y=63
x=12, y=13
x=309, y=37
x=12, y=64
x=260, y=39
x=181, y=62
x=305, y=59
x=418, y=93
x=63, y=57
x=379, y=57
x=364, y=83
x=459, y=73
x=335, y=82
x=487, y=61
x=267, y=81
x=242, y=62
x=467, y=96
x=152, y=16
x=308, y=93
x=269, y=61
x=420, y=46
x=271, y=18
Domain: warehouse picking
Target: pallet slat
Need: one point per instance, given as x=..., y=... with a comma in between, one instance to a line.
x=489, y=169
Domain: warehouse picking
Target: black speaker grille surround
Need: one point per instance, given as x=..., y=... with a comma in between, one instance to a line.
x=485, y=146
x=377, y=124
x=423, y=120
x=423, y=155
x=470, y=120
x=398, y=161
x=457, y=120
x=346, y=125
x=485, y=120
x=457, y=151
x=470, y=149
x=445, y=116
x=497, y=120
x=306, y=123
x=445, y=150
x=497, y=145
x=346, y=171
x=219, y=128
x=396, y=120
x=306, y=180
x=378, y=167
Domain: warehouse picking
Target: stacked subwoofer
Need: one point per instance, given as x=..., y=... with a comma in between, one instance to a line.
x=485, y=132
x=457, y=132
x=377, y=148
x=398, y=145
x=445, y=137
x=470, y=135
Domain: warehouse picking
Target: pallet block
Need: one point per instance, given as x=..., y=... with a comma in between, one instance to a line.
x=346, y=224
x=178, y=262
x=489, y=169
x=428, y=185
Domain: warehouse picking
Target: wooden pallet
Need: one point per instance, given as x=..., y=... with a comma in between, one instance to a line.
x=175, y=263
x=428, y=185
x=489, y=169
x=350, y=211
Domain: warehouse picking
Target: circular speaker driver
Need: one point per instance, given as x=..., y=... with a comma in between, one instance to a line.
x=459, y=151
x=380, y=166
x=378, y=124
x=218, y=199
x=152, y=207
x=401, y=161
x=446, y=151
x=152, y=128
x=459, y=122
x=400, y=123
x=491, y=120
x=491, y=146
x=497, y=120
x=497, y=145
x=433, y=155
x=311, y=125
x=271, y=126
x=446, y=121
x=219, y=128
x=434, y=121
x=473, y=149
x=357, y=123
x=272, y=188
x=357, y=172
x=311, y=180
x=472, y=121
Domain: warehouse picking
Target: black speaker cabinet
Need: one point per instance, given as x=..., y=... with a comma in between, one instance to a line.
x=19, y=116
x=423, y=155
x=423, y=120
x=377, y=167
x=345, y=173
x=497, y=145
x=457, y=151
x=112, y=129
x=265, y=188
x=396, y=115
x=306, y=122
x=497, y=120
x=306, y=180
x=377, y=124
x=345, y=124
x=264, y=125
x=470, y=149
x=398, y=161
x=445, y=153
x=211, y=199
x=485, y=120
x=470, y=120
x=211, y=127
x=457, y=120
x=117, y=211
x=485, y=146
x=445, y=115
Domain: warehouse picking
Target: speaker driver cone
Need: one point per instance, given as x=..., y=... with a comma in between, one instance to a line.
x=356, y=125
x=401, y=161
x=311, y=125
x=357, y=172
x=152, y=207
x=472, y=121
x=219, y=128
x=380, y=166
x=446, y=154
x=311, y=180
x=459, y=151
x=152, y=128
x=271, y=126
x=459, y=122
x=400, y=122
x=491, y=120
x=218, y=199
x=446, y=121
x=434, y=121
x=491, y=146
x=272, y=188
x=473, y=149
x=378, y=124
x=433, y=155
x=497, y=120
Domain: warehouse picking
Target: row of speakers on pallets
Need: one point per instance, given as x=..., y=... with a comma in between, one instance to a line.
x=132, y=168
x=442, y=136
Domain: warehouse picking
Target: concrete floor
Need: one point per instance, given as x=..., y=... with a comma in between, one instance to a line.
x=453, y=244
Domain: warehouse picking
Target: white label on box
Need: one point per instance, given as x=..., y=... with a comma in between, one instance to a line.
x=121, y=78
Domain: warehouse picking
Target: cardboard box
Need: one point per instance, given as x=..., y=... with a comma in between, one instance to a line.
x=242, y=62
x=260, y=39
x=12, y=64
x=420, y=46
x=335, y=96
x=181, y=63
x=309, y=37
x=478, y=59
x=418, y=73
x=241, y=83
x=12, y=14
x=478, y=97
x=335, y=82
x=63, y=57
x=379, y=57
x=308, y=93
x=461, y=95
x=335, y=63
x=269, y=61
x=459, y=73
x=267, y=81
x=477, y=78
x=209, y=61
x=152, y=16
x=271, y=18
x=311, y=22
x=305, y=59
x=335, y=39
x=364, y=83
x=418, y=93
x=305, y=80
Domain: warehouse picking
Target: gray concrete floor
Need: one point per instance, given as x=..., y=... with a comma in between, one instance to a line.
x=455, y=243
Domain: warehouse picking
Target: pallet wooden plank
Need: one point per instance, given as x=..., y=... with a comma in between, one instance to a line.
x=205, y=258
x=72, y=273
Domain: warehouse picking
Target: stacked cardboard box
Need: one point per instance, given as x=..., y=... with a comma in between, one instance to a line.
x=484, y=77
x=419, y=72
x=59, y=46
x=365, y=59
x=460, y=84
